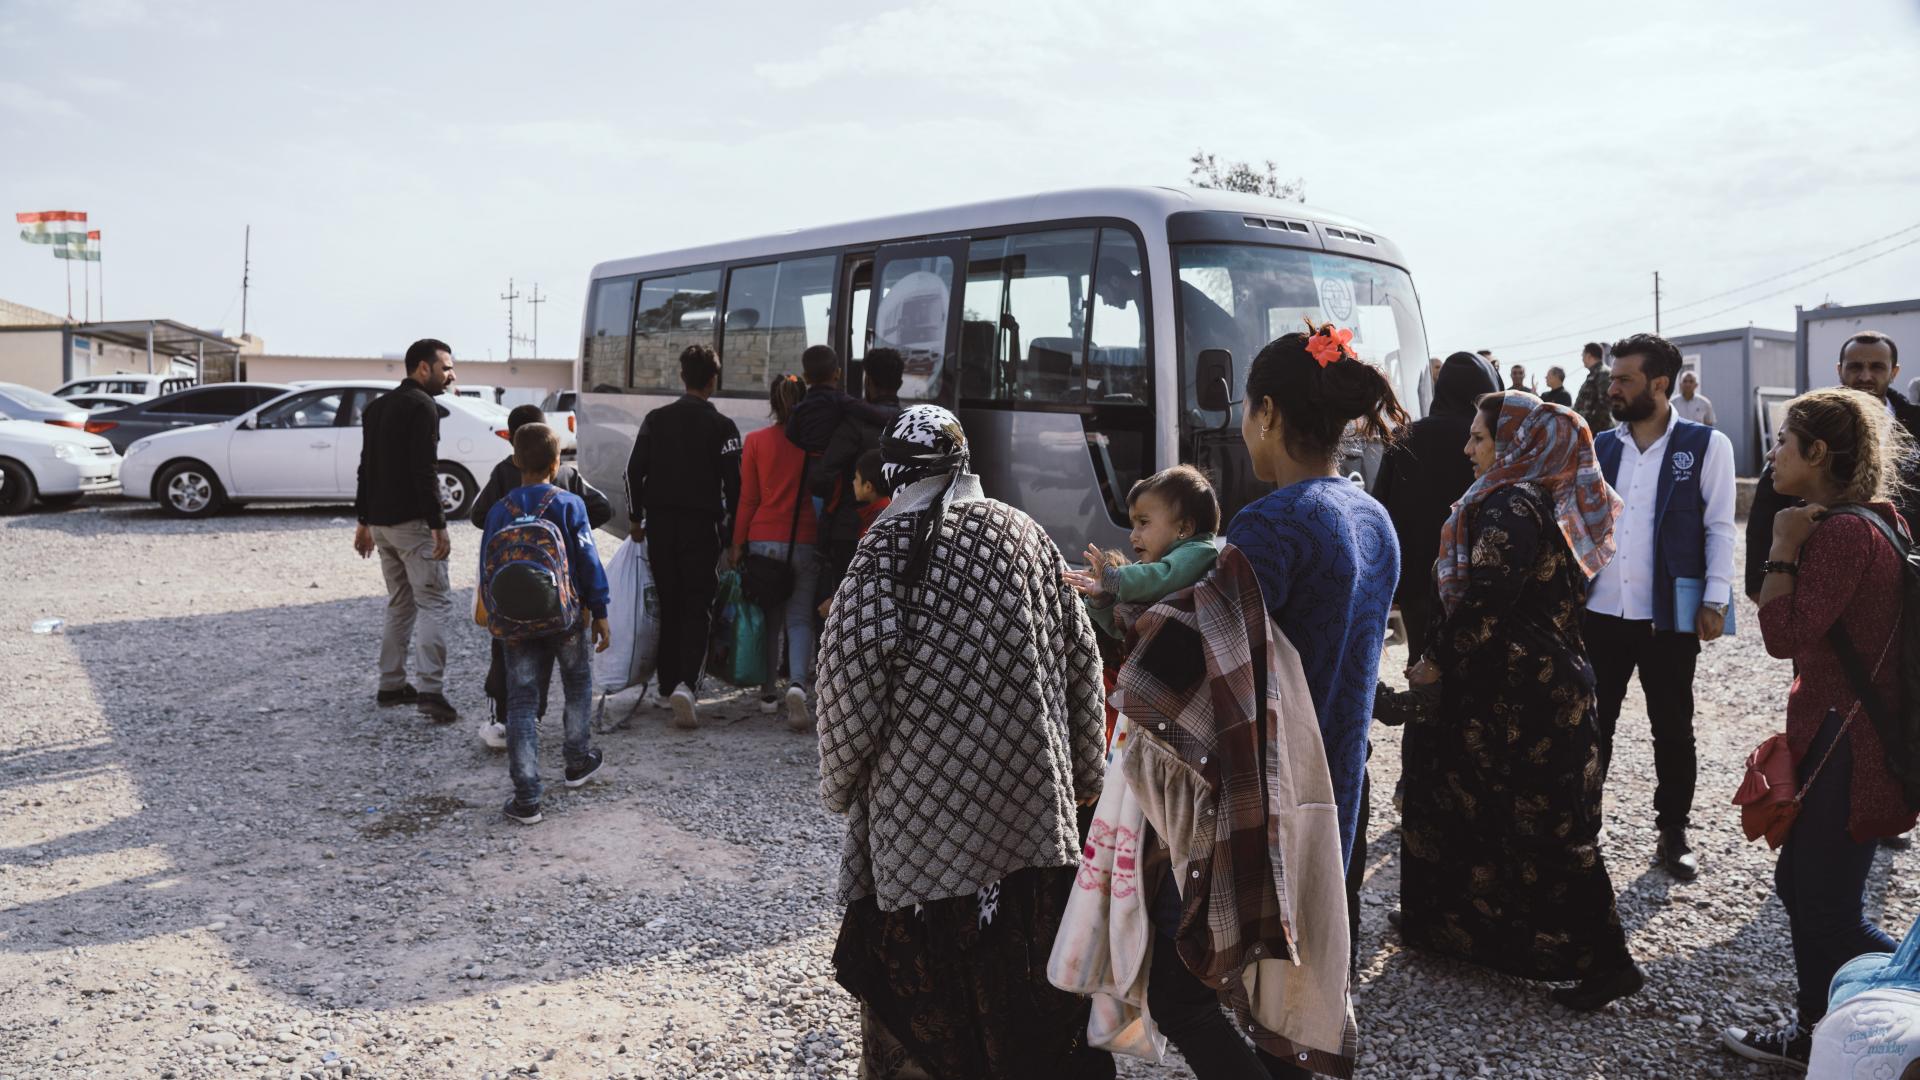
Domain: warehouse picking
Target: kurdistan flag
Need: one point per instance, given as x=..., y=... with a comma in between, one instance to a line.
x=53, y=227
x=84, y=246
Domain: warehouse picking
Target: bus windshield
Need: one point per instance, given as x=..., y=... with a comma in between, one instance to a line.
x=1239, y=297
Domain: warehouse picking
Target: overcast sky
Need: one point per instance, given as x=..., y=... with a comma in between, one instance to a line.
x=398, y=164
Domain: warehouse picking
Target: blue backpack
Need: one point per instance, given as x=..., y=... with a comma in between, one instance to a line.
x=525, y=578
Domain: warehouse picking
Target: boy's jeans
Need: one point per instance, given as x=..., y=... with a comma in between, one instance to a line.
x=527, y=665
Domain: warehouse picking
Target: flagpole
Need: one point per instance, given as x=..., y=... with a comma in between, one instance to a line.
x=86, y=293
x=103, y=277
x=69, y=263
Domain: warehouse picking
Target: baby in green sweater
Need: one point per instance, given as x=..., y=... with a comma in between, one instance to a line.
x=1175, y=514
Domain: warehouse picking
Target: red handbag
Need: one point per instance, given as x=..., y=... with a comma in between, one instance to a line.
x=1767, y=801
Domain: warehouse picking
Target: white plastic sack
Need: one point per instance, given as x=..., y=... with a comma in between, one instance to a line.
x=1874, y=1035
x=633, y=616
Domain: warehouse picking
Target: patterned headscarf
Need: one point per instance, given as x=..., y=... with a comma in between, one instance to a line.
x=1547, y=445
x=925, y=442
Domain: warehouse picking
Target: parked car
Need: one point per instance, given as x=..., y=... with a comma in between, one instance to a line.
x=25, y=403
x=125, y=382
x=55, y=465
x=559, y=407
x=100, y=402
x=208, y=404
x=303, y=446
x=482, y=391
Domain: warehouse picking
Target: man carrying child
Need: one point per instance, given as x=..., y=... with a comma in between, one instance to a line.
x=540, y=581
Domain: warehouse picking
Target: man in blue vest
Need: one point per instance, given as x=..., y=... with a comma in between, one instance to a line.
x=1675, y=551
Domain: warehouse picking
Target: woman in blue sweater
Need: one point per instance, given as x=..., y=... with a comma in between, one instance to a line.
x=1324, y=550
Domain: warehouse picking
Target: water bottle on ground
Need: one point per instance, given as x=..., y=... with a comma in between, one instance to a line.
x=49, y=626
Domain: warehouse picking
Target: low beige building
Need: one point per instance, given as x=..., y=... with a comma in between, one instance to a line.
x=41, y=350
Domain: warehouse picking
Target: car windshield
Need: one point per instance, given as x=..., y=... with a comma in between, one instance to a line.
x=1239, y=297
x=34, y=399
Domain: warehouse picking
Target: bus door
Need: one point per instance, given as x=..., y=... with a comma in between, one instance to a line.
x=915, y=309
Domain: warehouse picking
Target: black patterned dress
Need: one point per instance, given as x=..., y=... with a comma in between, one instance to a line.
x=1500, y=858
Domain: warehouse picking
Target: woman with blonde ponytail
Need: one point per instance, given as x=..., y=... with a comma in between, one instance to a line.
x=1831, y=566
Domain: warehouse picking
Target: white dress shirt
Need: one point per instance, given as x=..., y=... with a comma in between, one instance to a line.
x=1698, y=409
x=1624, y=587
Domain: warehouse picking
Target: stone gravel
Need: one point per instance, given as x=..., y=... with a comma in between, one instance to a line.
x=218, y=858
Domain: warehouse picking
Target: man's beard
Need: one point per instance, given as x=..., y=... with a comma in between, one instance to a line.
x=1636, y=410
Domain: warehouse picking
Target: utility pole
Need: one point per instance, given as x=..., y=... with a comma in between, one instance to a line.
x=510, y=296
x=534, y=302
x=246, y=279
x=1656, y=302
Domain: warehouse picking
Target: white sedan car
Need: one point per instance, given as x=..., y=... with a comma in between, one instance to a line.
x=303, y=446
x=54, y=464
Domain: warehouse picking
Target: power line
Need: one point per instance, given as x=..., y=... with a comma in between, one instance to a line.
x=1715, y=296
x=1777, y=292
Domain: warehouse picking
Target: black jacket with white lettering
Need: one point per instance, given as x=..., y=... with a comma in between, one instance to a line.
x=686, y=460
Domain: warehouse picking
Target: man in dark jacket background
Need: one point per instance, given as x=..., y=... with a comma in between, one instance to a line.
x=883, y=370
x=1423, y=475
x=1869, y=362
x=397, y=500
x=683, y=488
x=1591, y=404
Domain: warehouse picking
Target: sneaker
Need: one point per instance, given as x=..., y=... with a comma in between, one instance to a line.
x=656, y=697
x=406, y=695
x=493, y=736
x=437, y=708
x=686, y=711
x=515, y=810
x=586, y=771
x=769, y=702
x=799, y=717
x=1787, y=1046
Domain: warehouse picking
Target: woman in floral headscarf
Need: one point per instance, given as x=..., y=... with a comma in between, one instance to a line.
x=960, y=722
x=1501, y=858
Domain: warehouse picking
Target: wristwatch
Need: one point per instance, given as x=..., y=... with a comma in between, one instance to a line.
x=1716, y=608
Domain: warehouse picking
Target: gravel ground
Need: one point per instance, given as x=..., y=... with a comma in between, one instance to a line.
x=218, y=858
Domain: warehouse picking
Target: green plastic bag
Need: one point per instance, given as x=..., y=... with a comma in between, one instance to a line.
x=737, y=650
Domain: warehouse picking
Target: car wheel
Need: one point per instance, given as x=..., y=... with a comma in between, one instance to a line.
x=16, y=488
x=189, y=489
x=456, y=489
x=58, y=501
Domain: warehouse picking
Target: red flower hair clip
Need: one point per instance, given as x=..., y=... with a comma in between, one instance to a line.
x=1326, y=344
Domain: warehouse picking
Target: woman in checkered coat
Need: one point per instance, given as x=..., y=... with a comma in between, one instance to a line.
x=960, y=722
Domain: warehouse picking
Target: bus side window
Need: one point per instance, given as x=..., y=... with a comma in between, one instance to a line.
x=1117, y=363
x=673, y=313
x=983, y=349
x=609, y=335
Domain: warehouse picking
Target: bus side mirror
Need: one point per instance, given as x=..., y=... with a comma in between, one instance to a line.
x=1213, y=382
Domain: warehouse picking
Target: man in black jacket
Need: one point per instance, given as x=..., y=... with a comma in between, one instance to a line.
x=398, y=503
x=505, y=478
x=883, y=371
x=1869, y=362
x=683, y=488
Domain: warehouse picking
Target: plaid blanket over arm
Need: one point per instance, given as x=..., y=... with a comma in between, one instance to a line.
x=1228, y=760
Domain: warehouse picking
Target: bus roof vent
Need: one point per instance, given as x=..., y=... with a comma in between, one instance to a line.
x=1253, y=223
x=1346, y=234
x=1287, y=226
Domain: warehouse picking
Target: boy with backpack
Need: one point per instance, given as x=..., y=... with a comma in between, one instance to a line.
x=540, y=581
x=505, y=478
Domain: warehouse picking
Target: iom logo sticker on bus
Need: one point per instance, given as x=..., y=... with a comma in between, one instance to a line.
x=1336, y=299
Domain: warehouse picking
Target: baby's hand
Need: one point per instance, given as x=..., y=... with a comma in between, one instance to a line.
x=1083, y=582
